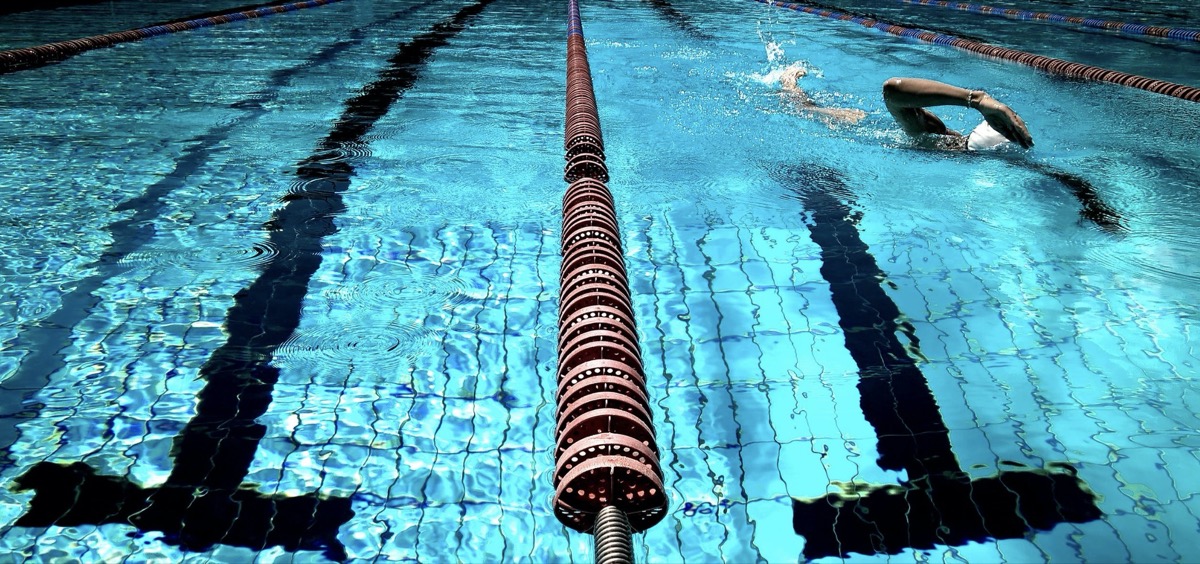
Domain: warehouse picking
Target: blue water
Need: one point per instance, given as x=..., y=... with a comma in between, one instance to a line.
x=419, y=382
x=35, y=27
x=1171, y=60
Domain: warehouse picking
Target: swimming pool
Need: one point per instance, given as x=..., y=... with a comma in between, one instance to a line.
x=159, y=191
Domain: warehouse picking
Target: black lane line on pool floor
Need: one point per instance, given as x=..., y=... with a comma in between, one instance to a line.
x=939, y=503
x=680, y=20
x=1092, y=208
x=202, y=502
x=53, y=334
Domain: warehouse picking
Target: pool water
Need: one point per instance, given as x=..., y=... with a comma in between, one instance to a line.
x=169, y=200
x=27, y=26
x=1157, y=57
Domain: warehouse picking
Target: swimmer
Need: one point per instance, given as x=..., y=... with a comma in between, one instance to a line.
x=804, y=104
x=907, y=98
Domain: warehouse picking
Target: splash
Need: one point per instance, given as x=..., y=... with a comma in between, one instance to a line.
x=771, y=78
x=774, y=50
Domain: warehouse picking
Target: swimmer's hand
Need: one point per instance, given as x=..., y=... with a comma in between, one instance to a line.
x=1005, y=121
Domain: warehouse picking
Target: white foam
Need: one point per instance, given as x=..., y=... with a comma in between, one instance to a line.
x=774, y=51
x=769, y=78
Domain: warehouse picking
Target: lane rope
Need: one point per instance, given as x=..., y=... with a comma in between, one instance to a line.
x=607, y=478
x=26, y=58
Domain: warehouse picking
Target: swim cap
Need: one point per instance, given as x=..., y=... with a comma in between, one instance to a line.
x=983, y=137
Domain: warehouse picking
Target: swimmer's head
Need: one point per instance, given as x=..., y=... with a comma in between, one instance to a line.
x=791, y=75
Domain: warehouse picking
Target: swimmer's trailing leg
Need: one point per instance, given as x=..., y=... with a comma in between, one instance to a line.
x=938, y=503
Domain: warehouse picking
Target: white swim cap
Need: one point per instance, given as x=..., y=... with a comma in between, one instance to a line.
x=983, y=137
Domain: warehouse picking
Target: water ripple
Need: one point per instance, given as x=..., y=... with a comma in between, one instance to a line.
x=311, y=187
x=1126, y=169
x=434, y=166
x=547, y=332
x=1149, y=258
x=29, y=311
x=207, y=257
x=1161, y=238
x=352, y=150
x=411, y=291
x=376, y=349
x=382, y=132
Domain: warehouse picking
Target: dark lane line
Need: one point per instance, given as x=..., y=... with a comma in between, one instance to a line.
x=1092, y=206
x=911, y=433
x=203, y=501
x=938, y=503
x=240, y=379
x=680, y=20
x=49, y=337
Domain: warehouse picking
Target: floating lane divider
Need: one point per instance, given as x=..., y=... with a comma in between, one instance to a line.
x=607, y=478
x=1041, y=62
x=25, y=58
x=1013, y=13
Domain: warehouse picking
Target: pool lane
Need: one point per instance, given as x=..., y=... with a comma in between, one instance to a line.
x=938, y=503
x=215, y=449
x=14, y=60
x=133, y=232
x=1064, y=68
x=24, y=27
x=998, y=310
x=1152, y=57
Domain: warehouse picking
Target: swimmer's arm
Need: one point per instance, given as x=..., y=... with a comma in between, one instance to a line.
x=906, y=99
x=922, y=93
